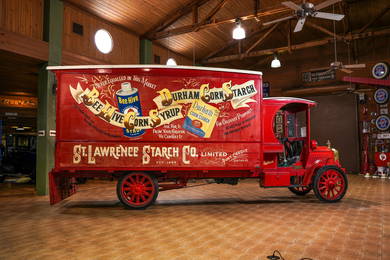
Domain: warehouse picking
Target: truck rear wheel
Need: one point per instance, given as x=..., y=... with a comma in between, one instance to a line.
x=303, y=190
x=137, y=190
x=330, y=184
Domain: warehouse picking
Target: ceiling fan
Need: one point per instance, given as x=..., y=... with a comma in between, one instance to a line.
x=308, y=9
x=338, y=65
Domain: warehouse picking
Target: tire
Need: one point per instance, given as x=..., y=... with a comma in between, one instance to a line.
x=137, y=190
x=301, y=191
x=330, y=184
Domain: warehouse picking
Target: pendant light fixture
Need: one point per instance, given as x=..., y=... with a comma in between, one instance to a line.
x=238, y=32
x=275, y=62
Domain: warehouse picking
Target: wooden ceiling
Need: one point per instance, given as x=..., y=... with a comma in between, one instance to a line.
x=202, y=28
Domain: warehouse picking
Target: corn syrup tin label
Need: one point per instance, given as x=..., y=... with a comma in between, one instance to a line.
x=129, y=101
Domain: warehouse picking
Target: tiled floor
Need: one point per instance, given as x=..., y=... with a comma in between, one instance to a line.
x=205, y=222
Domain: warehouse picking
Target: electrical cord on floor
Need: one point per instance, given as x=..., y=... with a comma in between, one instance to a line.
x=275, y=257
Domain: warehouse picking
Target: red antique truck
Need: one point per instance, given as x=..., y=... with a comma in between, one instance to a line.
x=155, y=127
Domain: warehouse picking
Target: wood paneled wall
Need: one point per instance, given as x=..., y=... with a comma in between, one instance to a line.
x=22, y=16
x=126, y=44
x=163, y=53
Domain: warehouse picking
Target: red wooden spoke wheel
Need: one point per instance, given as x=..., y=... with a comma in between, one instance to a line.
x=330, y=184
x=137, y=190
x=302, y=190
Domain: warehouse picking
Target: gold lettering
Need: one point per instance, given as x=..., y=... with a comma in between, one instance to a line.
x=204, y=92
x=129, y=120
x=89, y=99
x=154, y=117
x=228, y=93
x=77, y=154
x=166, y=97
x=107, y=111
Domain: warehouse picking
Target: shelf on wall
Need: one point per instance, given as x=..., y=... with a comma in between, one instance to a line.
x=367, y=81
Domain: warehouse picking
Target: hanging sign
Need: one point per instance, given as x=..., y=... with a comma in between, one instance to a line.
x=383, y=136
x=18, y=101
x=320, y=75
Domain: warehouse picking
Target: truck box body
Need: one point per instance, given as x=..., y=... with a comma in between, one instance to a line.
x=159, y=118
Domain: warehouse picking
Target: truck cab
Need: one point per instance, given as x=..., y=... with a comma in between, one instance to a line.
x=291, y=158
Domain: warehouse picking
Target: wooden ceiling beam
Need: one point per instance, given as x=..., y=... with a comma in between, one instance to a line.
x=262, y=38
x=23, y=45
x=322, y=29
x=261, y=62
x=233, y=42
x=212, y=13
x=230, y=44
x=215, y=10
x=174, y=16
x=375, y=18
x=269, y=51
x=195, y=14
x=349, y=37
x=213, y=23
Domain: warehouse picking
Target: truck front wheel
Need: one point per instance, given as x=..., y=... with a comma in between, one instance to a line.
x=330, y=184
x=137, y=190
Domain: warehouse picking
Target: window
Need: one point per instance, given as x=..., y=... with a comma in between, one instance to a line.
x=103, y=41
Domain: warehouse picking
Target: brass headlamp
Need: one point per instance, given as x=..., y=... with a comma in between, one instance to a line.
x=335, y=152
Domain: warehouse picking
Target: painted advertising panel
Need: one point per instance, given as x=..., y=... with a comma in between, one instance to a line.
x=142, y=155
x=157, y=117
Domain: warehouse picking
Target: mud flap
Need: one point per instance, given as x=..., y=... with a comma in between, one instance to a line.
x=61, y=186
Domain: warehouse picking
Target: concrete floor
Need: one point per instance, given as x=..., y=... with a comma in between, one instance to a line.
x=205, y=222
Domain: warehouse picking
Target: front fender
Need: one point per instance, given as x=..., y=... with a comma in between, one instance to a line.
x=310, y=172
